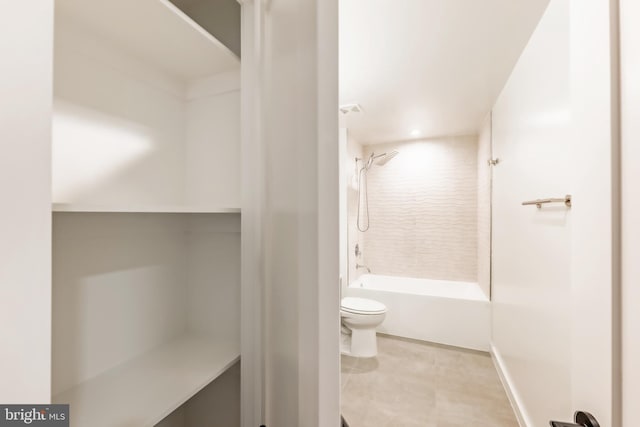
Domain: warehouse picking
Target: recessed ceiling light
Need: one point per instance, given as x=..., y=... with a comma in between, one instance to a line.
x=415, y=132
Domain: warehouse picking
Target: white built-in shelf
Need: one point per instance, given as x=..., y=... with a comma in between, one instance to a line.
x=74, y=207
x=155, y=31
x=143, y=391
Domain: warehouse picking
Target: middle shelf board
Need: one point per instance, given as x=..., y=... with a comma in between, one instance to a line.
x=73, y=207
x=143, y=391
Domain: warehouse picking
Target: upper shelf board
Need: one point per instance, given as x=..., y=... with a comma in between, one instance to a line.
x=155, y=31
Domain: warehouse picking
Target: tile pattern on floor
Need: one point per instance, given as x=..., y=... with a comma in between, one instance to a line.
x=413, y=383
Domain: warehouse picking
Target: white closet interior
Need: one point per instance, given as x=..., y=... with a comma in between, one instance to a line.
x=146, y=202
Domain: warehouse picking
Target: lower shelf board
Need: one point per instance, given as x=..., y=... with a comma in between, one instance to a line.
x=144, y=390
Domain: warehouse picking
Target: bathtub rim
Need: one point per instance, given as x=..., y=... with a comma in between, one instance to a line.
x=482, y=297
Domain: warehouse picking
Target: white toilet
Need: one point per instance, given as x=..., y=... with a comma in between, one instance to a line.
x=360, y=317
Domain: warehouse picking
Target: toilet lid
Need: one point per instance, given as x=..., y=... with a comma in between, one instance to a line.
x=362, y=306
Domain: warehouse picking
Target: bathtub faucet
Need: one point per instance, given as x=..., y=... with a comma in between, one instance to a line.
x=359, y=266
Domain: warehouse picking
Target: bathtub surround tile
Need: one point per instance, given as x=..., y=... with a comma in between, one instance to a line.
x=423, y=210
x=413, y=383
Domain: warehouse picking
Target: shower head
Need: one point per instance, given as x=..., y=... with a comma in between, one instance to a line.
x=383, y=159
x=378, y=159
x=363, y=199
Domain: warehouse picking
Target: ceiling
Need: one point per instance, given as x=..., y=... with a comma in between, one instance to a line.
x=427, y=68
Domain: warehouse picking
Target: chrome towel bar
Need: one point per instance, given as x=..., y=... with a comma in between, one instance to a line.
x=539, y=202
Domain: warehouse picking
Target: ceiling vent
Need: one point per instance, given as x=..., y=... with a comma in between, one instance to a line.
x=350, y=109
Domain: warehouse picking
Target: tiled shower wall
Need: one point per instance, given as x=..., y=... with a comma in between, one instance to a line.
x=423, y=209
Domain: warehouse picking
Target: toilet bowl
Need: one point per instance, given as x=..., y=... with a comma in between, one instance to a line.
x=360, y=316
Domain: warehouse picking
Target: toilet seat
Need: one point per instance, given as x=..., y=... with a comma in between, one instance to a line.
x=362, y=306
x=360, y=317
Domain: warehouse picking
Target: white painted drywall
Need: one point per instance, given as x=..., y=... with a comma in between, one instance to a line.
x=253, y=194
x=119, y=289
x=126, y=283
x=292, y=143
x=213, y=273
x=343, y=178
x=26, y=61
x=354, y=236
x=595, y=216
x=484, y=207
x=531, y=289
x=143, y=136
x=119, y=125
x=213, y=141
x=216, y=405
x=630, y=89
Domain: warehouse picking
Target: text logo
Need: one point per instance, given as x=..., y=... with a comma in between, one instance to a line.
x=34, y=415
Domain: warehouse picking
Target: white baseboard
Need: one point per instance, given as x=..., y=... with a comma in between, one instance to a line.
x=512, y=394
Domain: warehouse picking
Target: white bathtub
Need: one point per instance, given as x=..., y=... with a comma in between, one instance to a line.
x=440, y=311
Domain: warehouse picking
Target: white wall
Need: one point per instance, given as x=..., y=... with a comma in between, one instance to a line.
x=217, y=404
x=119, y=125
x=144, y=137
x=126, y=283
x=595, y=216
x=630, y=85
x=532, y=276
x=343, y=179
x=213, y=275
x=484, y=207
x=291, y=148
x=354, y=236
x=252, y=290
x=26, y=62
x=423, y=210
x=212, y=134
x=118, y=290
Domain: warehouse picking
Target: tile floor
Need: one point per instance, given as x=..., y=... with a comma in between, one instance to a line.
x=413, y=383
